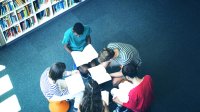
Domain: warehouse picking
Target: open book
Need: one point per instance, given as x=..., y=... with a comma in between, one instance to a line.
x=75, y=83
x=99, y=74
x=122, y=92
x=85, y=56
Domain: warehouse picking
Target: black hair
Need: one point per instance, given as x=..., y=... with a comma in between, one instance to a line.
x=91, y=101
x=130, y=70
x=56, y=71
x=84, y=70
x=106, y=54
x=78, y=28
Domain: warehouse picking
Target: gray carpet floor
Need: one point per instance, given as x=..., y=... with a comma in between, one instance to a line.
x=165, y=32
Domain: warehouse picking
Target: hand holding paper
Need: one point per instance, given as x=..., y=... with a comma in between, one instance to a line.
x=122, y=92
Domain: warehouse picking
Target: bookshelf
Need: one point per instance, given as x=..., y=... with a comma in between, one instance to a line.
x=17, y=17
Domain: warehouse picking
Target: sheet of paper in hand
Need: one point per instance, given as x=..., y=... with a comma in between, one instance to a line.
x=75, y=83
x=85, y=56
x=99, y=74
x=123, y=91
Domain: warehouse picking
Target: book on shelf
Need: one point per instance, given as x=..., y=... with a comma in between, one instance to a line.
x=99, y=74
x=5, y=7
x=36, y=5
x=44, y=13
x=58, y=6
x=13, y=31
x=75, y=83
x=85, y=56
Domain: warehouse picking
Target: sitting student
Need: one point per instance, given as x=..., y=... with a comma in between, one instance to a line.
x=77, y=37
x=53, y=87
x=50, y=88
x=92, y=99
x=140, y=97
x=118, y=54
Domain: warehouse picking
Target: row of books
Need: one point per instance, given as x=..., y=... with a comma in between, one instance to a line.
x=44, y=13
x=38, y=3
x=13, y=31
x=18, y=3
x=58, y=6
x=24, y=12
x=27, y=23
x=8, y=20
x=70, y=2
x=8, y=5
x=11, y=13
x=5, y=7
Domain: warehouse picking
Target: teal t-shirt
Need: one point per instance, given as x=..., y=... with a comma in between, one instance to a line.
x=74, y=42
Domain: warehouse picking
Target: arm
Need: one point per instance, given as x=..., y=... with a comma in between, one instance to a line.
x=106, y=109
x=116, y=100
x=105, y=64
x=67, y=48
x=79, y=109
x=116, y=74
x=88, y=39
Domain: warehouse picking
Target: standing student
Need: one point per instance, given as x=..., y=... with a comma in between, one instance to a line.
x=119, y=54
x=141, y=96
x=92, y=99
x=77, y=37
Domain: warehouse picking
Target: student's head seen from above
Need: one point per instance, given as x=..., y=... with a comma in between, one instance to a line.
x=91, y=101
x=130, y=70
x=106, y=55
x=56, y=71
x=78, y=29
